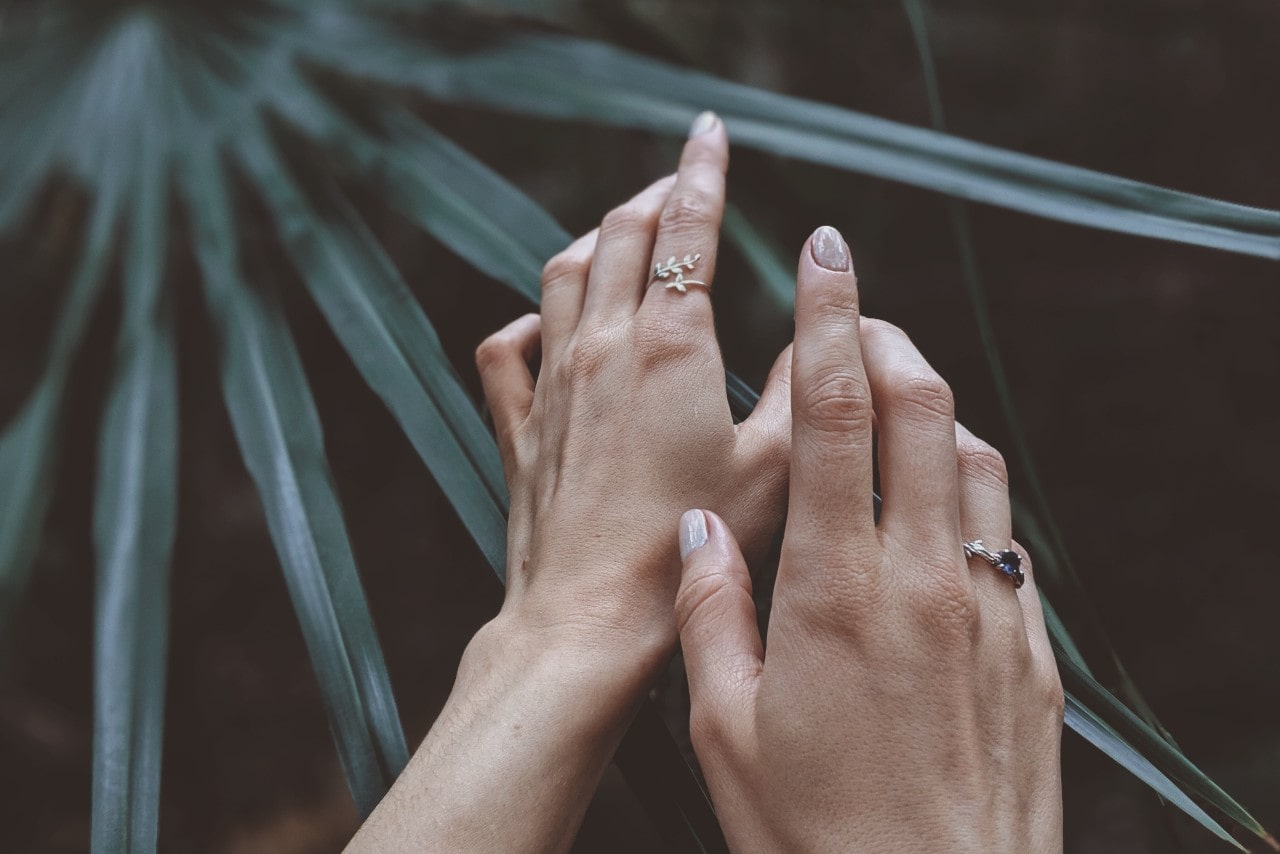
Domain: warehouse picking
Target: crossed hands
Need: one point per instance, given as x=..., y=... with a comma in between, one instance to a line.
x=907, y=699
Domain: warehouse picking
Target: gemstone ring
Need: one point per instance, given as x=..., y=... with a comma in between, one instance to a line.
x=1007, y=561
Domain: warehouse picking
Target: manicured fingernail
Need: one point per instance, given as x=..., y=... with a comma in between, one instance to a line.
x=703, y=123
x=829, y=249
x=693, y=532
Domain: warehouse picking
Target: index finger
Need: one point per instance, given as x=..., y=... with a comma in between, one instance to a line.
x=831, y=412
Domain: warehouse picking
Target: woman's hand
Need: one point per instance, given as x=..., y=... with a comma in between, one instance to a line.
x=908, y=700
x=627, y=425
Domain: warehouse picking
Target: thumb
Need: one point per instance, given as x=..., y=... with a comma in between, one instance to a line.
x=717, y=621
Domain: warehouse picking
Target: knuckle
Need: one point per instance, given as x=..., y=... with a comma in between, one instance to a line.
x=687, y=210
x=1027, y=569
x=490, y=352
x=924, y=392
x=697, y=597
x=980, y=460
x=874, y=326
x=585, y=360
x=1052, y=693
x=839, y=306
x=624, y=221
x=563, y=269
x=837, y=401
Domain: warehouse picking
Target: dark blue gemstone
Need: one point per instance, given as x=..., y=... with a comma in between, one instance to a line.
x=1011, y=565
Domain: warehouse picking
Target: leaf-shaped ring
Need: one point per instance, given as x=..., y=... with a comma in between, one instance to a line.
x=676, y=267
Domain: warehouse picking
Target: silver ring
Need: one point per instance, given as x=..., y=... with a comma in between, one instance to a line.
x=1007, y=561
x=677, y=267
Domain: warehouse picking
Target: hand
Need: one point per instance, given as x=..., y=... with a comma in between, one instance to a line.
x=908, y=700
x=628, y=424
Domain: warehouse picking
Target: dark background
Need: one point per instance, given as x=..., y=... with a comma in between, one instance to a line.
x=1145, y=374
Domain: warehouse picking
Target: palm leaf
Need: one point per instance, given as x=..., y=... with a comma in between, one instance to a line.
x=1100, y=734
x=472, y=209
x=763, y=257
x=27, y=446
x=279, y=432
x=133, y=538
x=572, y=78
x=1159, y=752
x=391, y=343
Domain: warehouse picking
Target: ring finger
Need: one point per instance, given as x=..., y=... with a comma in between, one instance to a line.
x=985, y=515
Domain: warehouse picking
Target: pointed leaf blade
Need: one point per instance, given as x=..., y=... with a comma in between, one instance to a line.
x=571, y=78
x=1102, y=736
x=133, y=538
x=392, y=344
x=279, y=434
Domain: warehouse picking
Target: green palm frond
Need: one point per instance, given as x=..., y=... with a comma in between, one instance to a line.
x=27, y=447
x=125, y=99
x=566, y=77
x=133, y=528
x=278, y=429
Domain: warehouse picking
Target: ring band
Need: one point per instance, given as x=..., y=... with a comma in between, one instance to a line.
x=662, y=272
x=1007, y=561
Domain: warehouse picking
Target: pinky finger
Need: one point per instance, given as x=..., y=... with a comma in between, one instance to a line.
x=503, y=360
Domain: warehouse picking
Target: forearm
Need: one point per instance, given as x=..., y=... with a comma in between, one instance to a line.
x=518, y=750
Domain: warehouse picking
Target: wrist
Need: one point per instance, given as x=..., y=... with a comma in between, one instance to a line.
x=613, y=668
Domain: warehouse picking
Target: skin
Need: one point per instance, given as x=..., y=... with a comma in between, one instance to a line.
x=908, y=699
x=627, y=426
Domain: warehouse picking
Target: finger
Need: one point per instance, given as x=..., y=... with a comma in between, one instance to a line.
x=564, y=285
x=689, y=229
x=620, y=267
x=768, y=427
x=1033, y=617
x=1035, y=624
x=717, y=621
x=503, y=359
x=983, y=485
x=915, y=413
x=831, y=414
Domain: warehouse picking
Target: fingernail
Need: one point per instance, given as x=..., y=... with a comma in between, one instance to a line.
x=829, y=249
x=703, y=123
x=693, y=532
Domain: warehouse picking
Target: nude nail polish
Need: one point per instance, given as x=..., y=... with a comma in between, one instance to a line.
x=829, y=249
x=703, y=123
x=693, y=532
